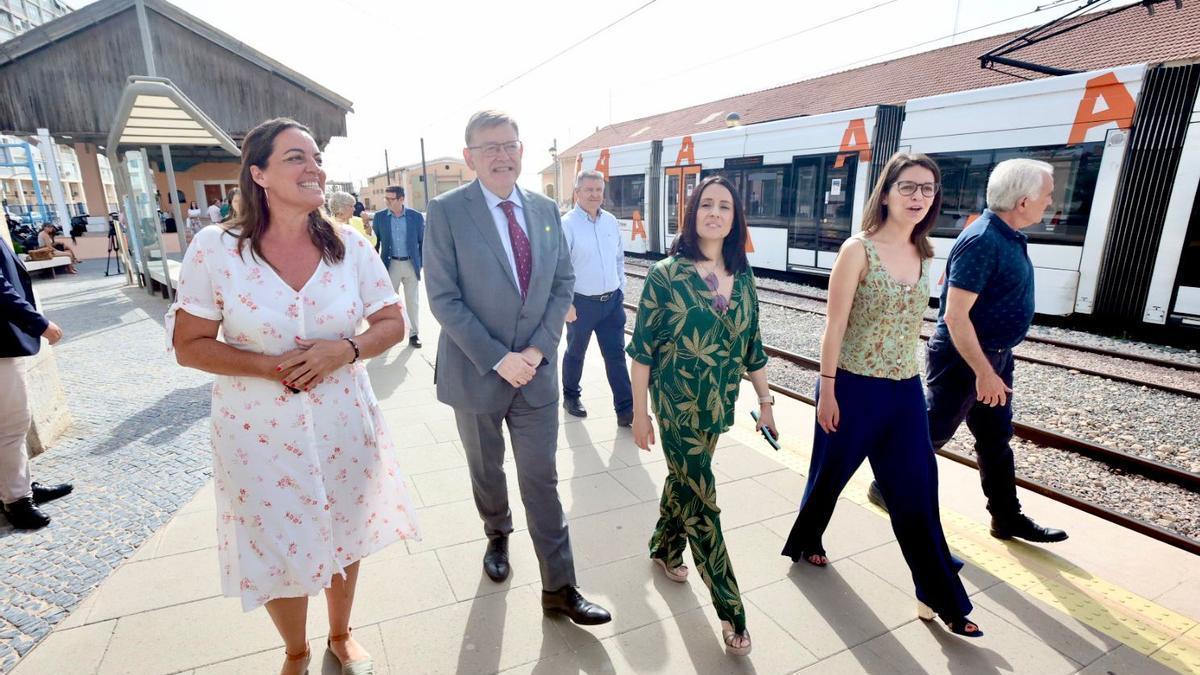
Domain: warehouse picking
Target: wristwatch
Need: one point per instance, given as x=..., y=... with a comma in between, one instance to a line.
x=769, y=400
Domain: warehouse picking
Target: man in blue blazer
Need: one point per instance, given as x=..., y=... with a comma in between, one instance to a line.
x=22, y=328
x=401, y=233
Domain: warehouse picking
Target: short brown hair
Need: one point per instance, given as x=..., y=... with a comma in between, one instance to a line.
x=395, y=191
x=486, y=119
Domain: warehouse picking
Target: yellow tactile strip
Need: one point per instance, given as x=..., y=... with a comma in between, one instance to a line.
x=1166, y=636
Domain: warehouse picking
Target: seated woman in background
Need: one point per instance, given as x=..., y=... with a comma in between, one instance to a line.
x=48, y=241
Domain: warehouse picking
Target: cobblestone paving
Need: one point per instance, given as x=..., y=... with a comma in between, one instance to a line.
x=136, y=451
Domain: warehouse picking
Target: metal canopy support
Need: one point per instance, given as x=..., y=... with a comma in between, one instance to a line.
x=153, y=110
x=998, y=55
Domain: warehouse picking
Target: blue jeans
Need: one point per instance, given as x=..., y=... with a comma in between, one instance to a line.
x=607, y=320
x=950, y=398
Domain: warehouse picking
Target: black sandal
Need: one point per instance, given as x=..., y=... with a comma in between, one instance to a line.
x=807, y=554
x=957, y=625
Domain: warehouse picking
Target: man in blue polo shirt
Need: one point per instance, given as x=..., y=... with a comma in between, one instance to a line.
x=598, y=258
x=986, y=309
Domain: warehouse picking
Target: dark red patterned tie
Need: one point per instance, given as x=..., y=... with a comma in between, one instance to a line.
x=520, y=246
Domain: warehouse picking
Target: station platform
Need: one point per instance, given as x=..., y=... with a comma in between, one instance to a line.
x=1105, y=601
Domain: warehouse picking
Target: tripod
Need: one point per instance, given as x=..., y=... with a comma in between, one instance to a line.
x=114, y=247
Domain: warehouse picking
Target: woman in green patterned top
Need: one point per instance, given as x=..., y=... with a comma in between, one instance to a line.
x=696, y=334
x=870, y=404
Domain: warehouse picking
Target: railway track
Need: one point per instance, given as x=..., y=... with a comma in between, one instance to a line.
x=1041, y=436
x=1062, y=344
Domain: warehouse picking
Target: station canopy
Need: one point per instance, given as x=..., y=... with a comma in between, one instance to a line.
x=69, y=76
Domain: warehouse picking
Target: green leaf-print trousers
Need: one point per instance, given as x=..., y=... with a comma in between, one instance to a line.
x=688, y=514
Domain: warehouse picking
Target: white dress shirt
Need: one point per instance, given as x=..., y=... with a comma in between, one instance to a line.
x=597, y=253
x=214, y=213
x=501, y=220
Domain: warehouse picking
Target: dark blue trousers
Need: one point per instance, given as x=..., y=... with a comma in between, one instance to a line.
x=951, y=399
x=884, y=422
x=607, y=320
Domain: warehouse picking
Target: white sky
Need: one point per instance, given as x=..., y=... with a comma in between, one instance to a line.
x=420, y=67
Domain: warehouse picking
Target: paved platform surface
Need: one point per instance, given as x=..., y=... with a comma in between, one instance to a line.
x=1106, y=601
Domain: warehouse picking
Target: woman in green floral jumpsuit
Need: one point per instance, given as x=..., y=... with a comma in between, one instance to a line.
x=696, y=334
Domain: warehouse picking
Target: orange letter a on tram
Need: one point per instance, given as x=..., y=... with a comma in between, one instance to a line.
x=854, y=139
x=638, y=228
x=602, y=163
x=1116, y=97
x=687, y=151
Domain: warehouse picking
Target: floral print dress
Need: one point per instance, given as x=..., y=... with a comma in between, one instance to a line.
x=306, y=483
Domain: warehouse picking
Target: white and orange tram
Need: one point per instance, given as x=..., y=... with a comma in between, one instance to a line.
x=1121, y=239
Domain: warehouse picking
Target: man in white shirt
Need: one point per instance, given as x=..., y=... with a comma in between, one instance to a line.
x=214, y=213
x=598, y=258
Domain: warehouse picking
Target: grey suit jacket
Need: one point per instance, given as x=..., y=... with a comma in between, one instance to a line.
x=476, y=300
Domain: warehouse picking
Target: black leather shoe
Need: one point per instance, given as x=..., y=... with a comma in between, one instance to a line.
x=625, y=419
x=568, y=602
x=1022, y=527
x=414, y=342
x=24, y=515
x=495, y=561
x=574, y=406
x=875, y=496
x=47, y=493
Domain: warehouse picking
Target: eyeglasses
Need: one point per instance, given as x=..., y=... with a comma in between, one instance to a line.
x=490, y=150
x=907, y=188
x=392, y=199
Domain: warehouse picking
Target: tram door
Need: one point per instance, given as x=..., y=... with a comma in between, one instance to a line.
x=681, y=180
x=824, y=209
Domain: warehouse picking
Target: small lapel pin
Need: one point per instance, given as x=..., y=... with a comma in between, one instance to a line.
x=547, y=228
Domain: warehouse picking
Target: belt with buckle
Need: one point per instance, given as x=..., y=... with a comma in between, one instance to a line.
x=603, y=297
x=404, y=258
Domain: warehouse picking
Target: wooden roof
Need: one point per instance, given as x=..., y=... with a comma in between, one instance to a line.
x=67, y=75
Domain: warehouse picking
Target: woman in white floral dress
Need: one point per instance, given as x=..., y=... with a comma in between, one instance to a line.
x=305, y=470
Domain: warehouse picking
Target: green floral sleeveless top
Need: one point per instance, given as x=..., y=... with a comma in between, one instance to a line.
x=884, y=327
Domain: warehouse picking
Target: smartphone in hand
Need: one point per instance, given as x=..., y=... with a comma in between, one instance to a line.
x=766, y=431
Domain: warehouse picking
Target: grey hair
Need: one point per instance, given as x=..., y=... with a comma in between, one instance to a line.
x=1015, y=179
x=588, y=174
x=340, y=200
x=486, y=119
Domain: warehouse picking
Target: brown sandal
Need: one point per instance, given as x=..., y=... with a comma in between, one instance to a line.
x=303, y=656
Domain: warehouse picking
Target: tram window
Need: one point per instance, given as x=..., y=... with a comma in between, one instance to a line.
x=964, y=188
x=763, y=192
x=764, y=197
x=625, y=194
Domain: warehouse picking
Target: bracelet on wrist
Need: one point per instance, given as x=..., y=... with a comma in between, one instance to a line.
x=355, y=346
x=828, y=377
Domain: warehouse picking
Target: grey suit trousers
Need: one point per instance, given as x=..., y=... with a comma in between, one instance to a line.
x=534, y=434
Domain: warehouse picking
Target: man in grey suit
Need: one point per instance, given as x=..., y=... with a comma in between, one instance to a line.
x=499, y=280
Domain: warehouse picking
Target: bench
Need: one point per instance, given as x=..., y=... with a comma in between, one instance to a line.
x=160, y=284
x=42, y=265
